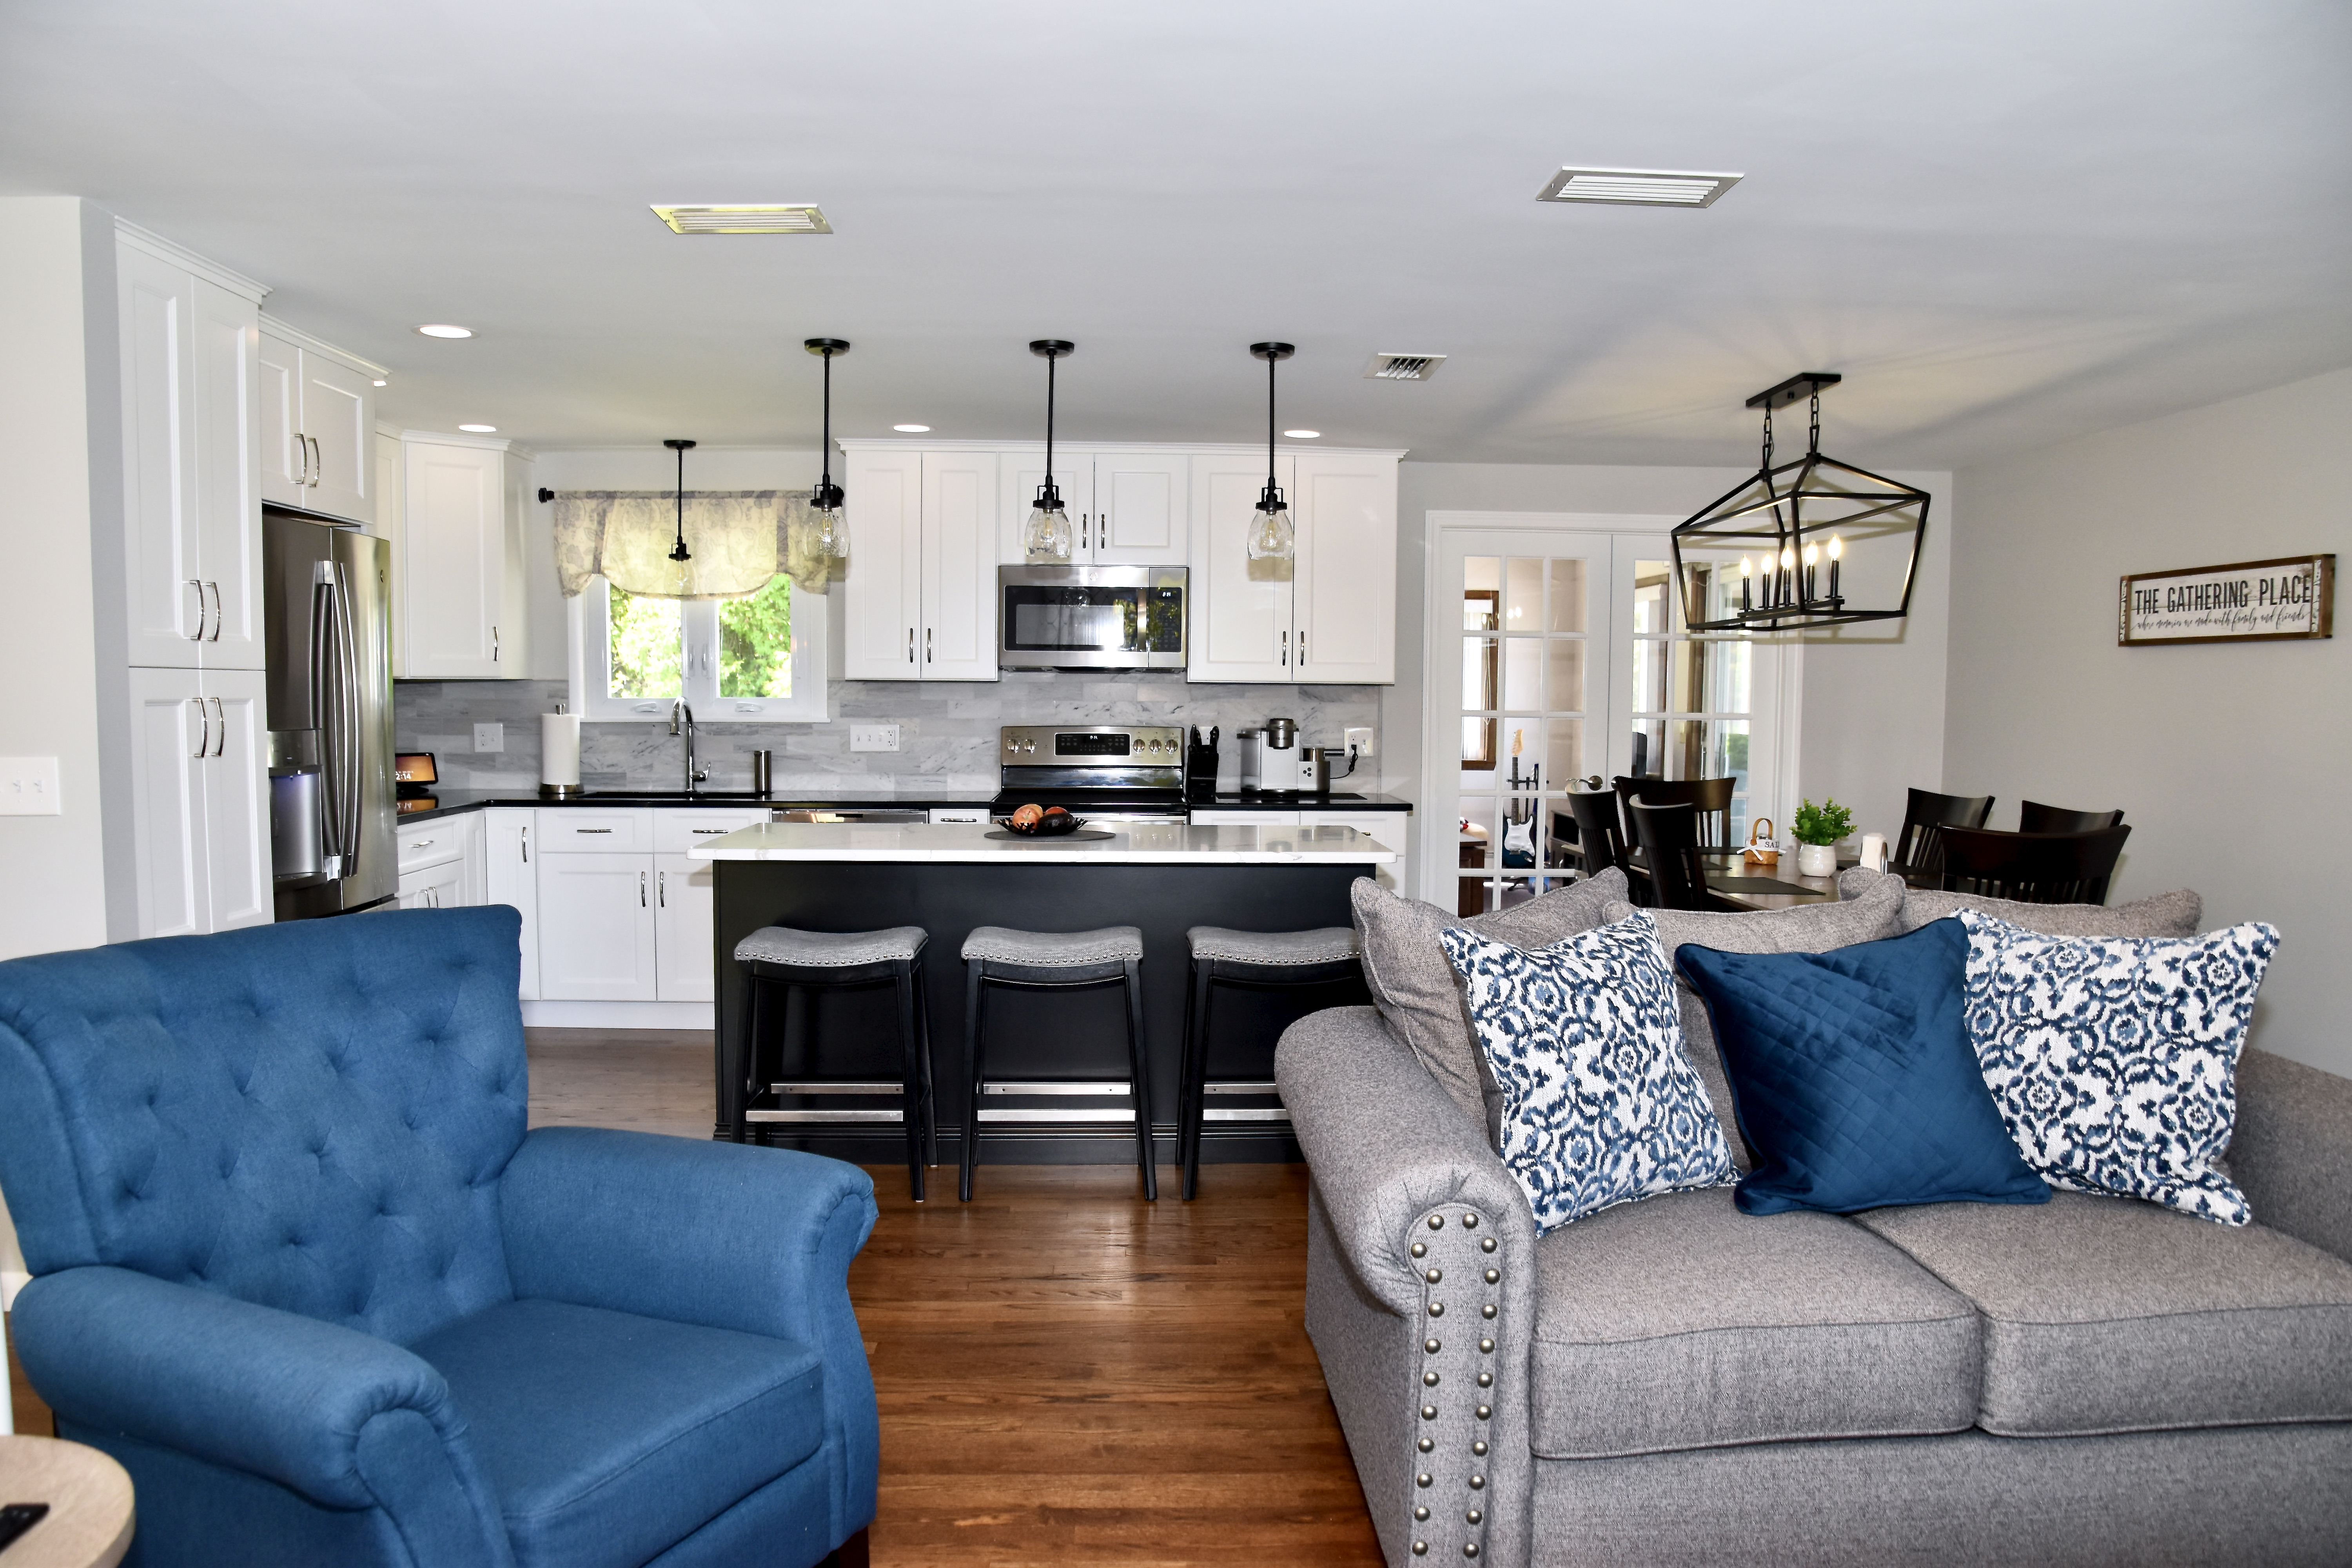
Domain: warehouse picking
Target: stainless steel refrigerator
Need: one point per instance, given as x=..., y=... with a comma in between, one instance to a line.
x=327, y=617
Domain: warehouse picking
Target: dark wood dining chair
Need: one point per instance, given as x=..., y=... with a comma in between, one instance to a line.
x=2032, y=868
x=1712, y=797
x=2033, y=817
x=1668, y=835
x=1599, y=832
x=1916, y=854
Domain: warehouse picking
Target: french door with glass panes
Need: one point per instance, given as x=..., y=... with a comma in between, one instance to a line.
x=1561, y=662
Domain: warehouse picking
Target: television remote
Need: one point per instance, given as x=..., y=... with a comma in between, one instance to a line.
x=19, y=1517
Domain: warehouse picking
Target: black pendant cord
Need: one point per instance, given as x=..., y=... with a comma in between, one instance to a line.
x=679, y=553
x=1269, y=425
x=825, y=484
x=1049, y=489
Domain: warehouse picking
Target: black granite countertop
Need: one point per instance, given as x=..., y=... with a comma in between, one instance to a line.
x=455, y=802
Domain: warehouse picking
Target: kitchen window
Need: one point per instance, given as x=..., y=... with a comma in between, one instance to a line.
x=753, y=660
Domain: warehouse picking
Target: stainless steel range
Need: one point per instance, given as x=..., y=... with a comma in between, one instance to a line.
x=1105, y=772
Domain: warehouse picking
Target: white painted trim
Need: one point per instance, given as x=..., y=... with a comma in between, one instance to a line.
x=462, y=439
x=1093, y=448
x=277, y=327
x=164, y=250
x=1550, y=521
x=617, y=1016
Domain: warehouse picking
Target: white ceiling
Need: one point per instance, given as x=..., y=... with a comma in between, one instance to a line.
x=2007, y=222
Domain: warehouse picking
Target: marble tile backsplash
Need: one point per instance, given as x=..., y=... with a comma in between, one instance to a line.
x=947, y=732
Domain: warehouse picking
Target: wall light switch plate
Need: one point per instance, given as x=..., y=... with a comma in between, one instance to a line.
x=28, y=786
x=873, y=737
x=489, y=737
x=1360, y=737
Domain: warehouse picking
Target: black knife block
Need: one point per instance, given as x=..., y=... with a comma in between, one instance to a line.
x=1200, y=772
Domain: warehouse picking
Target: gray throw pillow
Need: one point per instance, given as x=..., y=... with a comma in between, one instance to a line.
x=1416, y=989
x=1870, y=907
x=2176, y=914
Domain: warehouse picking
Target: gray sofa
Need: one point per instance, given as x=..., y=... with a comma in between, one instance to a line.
x=2096, y=1380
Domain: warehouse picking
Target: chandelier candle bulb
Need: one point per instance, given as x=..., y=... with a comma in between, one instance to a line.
x=1836, y=550
x=1747, y=570
x=1787, y=574
x=1812, y=559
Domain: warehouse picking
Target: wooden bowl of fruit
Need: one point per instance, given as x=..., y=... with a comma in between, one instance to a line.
x=1041, y=822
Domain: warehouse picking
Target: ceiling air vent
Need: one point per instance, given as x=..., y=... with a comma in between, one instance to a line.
x=1403, y=367
x=1637, y=187
x=772, y=218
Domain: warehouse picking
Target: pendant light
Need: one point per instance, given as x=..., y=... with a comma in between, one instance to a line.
x=825, y=501
x=1048, y=537
x=1271, y=537
x=1805, y=515
x=679, y=553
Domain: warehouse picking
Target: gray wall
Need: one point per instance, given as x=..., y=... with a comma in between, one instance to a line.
x=2229, y=763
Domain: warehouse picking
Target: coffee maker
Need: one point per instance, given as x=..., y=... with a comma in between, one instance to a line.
x=1270, y=758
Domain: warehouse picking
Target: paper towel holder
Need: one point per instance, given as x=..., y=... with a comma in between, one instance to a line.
x=571, y=790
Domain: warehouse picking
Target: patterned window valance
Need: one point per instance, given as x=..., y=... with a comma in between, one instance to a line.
x=739, y=538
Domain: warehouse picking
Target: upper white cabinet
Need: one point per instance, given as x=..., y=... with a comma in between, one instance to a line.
x=1125, y=508
x=192, y=517
x=920, y=593
x=459, y=576
x=1329, y=615
x=317, y=426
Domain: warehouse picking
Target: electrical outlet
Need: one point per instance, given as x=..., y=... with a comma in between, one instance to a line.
x=1360, y=737
x=489, y=737
x=873, y=737
x=28, y=786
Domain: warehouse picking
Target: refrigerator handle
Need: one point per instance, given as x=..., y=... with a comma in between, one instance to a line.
x=348, y=728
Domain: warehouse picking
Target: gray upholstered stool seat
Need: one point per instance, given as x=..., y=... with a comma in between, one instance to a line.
x=998, y=956
x=1326, y=944
x=1309, y=964
x=829, y=949
x=1053, y=948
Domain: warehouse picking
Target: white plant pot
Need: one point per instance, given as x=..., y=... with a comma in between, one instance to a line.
x=1816, y=860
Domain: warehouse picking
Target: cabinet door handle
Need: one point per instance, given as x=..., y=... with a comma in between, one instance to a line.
x=220, y=742
x=592, y=830
x=302, y=458
x=204, y=729
x=910, y=644
x=217, y=610
x=198, y=634
x=1302, y=649
x=526, y=846
x=415, y=845
x=927, y=645
x=661, y=887
x=494, y=645
x=641, y=890
x=318, y=467
x=1286, y=648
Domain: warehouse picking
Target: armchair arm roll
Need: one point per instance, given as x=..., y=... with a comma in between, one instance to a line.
x=347, y=1420
x=722, y=1234
x=2292, y=1150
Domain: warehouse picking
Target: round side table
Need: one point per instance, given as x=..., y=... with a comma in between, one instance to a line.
x=90, y=1519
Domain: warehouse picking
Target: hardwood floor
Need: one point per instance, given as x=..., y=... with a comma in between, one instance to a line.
x=1066, y=1374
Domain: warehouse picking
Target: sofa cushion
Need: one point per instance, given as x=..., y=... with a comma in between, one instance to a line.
x=2161, y=914
x=608, y=1436
x=2103, y=1314
x=1681, y=1323
x=1415, y=987
x=1599, y=1104
x=1865, y=910
x=1855, y=1082
x=2114, y=1058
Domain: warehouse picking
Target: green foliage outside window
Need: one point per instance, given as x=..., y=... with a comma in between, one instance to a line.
x=755, y=642
x=647, y=652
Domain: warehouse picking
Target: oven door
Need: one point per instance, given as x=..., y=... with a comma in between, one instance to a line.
x=1090, y=618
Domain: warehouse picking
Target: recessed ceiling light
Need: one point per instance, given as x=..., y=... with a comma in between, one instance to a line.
x=912, y=429
x=1302, y=435
x=1637, y=187
x=479, y=429
x=379, y=381
x=760, y=217
x=1402, y=367
x=443, y=330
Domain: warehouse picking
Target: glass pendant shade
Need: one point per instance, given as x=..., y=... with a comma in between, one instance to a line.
x=832, y=531
x=1270, y=535
x=1047, y=538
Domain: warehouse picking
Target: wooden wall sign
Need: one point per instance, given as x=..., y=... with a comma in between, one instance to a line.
x=2252, y=601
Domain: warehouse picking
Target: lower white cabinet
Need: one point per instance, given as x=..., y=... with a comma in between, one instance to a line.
x=596, y=928
x=200, y=793
x=510, y=876
x=622, y=914
x=441, y=887
x=682, y=929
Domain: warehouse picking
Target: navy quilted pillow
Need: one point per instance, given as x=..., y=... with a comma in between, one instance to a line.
x=1854, y=1079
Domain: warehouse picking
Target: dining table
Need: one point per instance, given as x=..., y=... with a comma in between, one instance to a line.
x=1737, y=883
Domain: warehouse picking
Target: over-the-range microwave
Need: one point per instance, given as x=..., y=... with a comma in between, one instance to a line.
x=1090, y=618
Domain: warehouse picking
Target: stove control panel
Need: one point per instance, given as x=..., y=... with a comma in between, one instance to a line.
x=1099, y=746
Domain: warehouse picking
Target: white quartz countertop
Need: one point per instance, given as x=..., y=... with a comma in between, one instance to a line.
x=1141, y=843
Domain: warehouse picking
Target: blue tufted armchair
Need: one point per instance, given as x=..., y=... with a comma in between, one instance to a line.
x=300, y=1269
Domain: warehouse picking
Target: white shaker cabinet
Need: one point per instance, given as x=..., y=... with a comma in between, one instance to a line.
x=684, y=917
x=458, y=575
x=200, y=800
x=1241, y=627
x=510, y=876
x=596, y=927
x=920, y=593
x=1328, y=614
x=317, y=426
x=958, y=566
x=1143, y=514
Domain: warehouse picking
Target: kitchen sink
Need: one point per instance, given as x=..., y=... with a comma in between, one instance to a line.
x=672, y=795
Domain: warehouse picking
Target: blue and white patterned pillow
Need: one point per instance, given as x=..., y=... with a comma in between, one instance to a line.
x=1599, y=1104
x=2113, y=1059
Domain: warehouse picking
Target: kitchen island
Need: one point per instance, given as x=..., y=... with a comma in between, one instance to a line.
x=950, y=877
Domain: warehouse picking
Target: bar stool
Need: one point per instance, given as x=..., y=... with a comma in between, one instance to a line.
x=822, y=960
x=1257, y=961
x=1054, y=961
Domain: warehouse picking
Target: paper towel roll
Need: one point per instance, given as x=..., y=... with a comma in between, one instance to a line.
x=1874, y=851
x=558, y=749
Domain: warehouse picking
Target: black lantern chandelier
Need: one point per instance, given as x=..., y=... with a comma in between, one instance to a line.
x=1271, y=537
x=825, y=501
x=679, y=553
x=1048, y=537
x=1791, y=522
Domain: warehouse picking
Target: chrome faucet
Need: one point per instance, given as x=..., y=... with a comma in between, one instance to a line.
x=681, y=722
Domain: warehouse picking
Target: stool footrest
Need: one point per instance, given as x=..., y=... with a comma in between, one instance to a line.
x=1059, y=1086
x=845, y=1114
x=1075, y=1113
x=836, y=1085
x=1248, y=1113
x=1235, y=1086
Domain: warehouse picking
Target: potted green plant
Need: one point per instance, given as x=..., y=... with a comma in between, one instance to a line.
x=1817, y=829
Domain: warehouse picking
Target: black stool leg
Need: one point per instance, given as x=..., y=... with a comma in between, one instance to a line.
x=1184, y=1070
x=1194, y=1093
x=973, y=995
x=1141, y=1082
x=910, y=1114
x=752, y=992
x=928, y=1107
